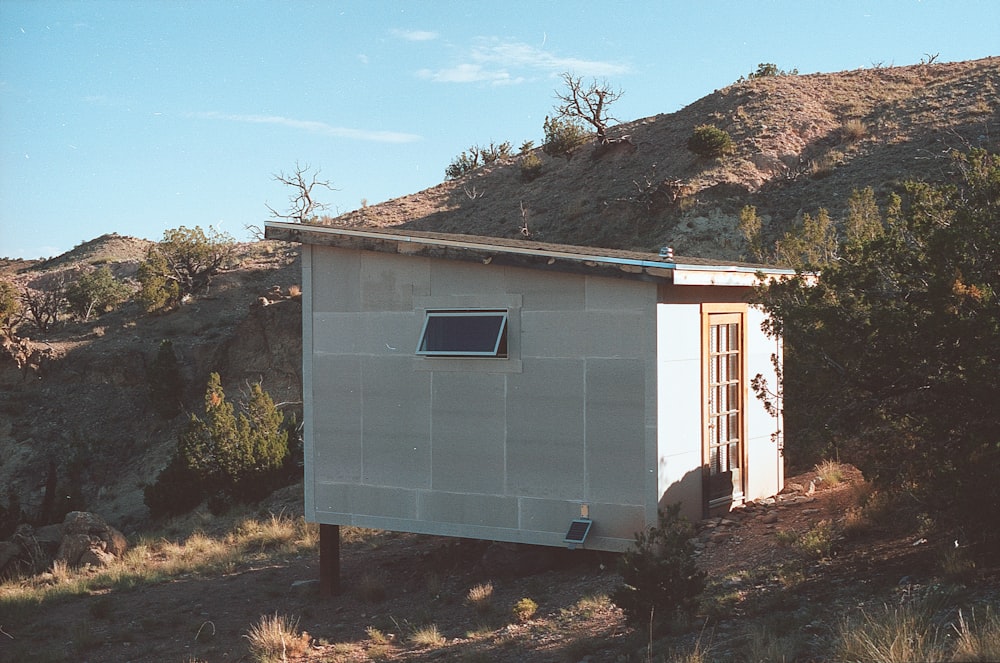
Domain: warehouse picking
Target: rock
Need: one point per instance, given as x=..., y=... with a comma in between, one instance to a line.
x=87, y=539
x=769, y=518
x=9, y=552
x=48, y=538
x=96, y=557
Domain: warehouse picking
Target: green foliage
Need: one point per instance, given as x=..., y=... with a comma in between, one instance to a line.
x=895, y=346
x=768, y=70
x=157, y=292
x=710, y=141
x=45, y=303
x=562, y=136
x=97, y=292
x=476, y=156
x=750, y=226
x=661, y=579
x=227, y=457
x=10, y=307
x=183, y=263
x=811, y=244
x=166, y=386
x=531, y=167
x=864, y=220
x=524, y=609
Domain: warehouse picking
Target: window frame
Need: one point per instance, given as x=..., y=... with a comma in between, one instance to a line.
x=500, y=344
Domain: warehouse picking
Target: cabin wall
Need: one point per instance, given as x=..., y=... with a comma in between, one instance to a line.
x=679, y=395
x=765, y=459
x=506, y=449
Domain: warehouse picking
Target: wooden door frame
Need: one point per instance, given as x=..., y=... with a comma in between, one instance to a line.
x=707, y=311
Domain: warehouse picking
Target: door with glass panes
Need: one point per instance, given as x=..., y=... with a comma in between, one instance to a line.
x=724, y=408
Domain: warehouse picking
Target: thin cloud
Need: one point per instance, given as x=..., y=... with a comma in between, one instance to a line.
x=469, y=73
x=316, y=127
x=414, y=35
x=503, y=63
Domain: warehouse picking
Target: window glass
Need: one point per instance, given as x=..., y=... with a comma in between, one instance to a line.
x=464, y=334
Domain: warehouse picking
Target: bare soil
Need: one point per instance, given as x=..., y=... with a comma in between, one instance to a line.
x=82, y=400
x=396, y=583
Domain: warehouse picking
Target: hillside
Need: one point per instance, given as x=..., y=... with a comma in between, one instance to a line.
x=78, y=413
x=802, y=142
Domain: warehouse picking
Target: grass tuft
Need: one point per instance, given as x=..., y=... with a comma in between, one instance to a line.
x=275, y=638
x=480, y=598
x=427, y=636
x=830, y=472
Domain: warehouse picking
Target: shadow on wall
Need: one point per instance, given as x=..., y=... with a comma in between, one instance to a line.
x=688, y=490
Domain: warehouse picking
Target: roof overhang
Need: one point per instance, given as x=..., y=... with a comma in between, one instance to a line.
x=557, y=257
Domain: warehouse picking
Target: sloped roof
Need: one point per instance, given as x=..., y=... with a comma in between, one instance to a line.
x=526, y=253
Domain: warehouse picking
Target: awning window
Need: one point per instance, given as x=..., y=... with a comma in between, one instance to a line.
x=477, y=333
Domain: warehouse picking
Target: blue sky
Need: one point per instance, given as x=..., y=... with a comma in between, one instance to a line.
x=138, y=117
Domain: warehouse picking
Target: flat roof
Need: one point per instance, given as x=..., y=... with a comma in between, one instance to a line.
x=526, y=253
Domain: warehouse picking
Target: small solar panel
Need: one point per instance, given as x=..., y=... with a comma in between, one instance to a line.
x=578, y=531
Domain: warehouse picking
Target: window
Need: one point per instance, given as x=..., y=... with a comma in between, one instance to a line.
x=464, y=333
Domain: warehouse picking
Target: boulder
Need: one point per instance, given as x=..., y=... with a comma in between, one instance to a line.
x=82, y=522
x=87, y=539
x=9, y=553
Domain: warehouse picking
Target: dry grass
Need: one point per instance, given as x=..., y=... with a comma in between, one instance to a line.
x=978, y=638
x=480, y=598
x=276, y=638
x=153, y=560
x=853, y=130
x=892, y=635
x=427, y=637
x=918, y=631
x=371, y=586
x=831, y=472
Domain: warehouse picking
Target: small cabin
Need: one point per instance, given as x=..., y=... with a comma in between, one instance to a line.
x=527, y=392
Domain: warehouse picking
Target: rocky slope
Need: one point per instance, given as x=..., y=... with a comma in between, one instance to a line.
x=79, y=410
x=802, y=142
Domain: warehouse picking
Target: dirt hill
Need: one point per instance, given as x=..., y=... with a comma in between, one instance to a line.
x=79, y=413
x=802, y=142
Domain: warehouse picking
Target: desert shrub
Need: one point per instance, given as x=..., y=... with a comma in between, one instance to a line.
x=853, y=130
x=562, y=136
x=830, y=472
x=183, y=263
x=659, y=574
x=462, y=164
x=166, y=386
x=524, y=609
x=480, y=597
x=46, y=302
x=427, y=636
x=710, y=141
x=275, y=637
x=531, y=167
x=526, y=147
x=96, y=292
x=476, y=156
x=925, y=277
x=10, y=307
x=227, y=457
x=767, y=70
